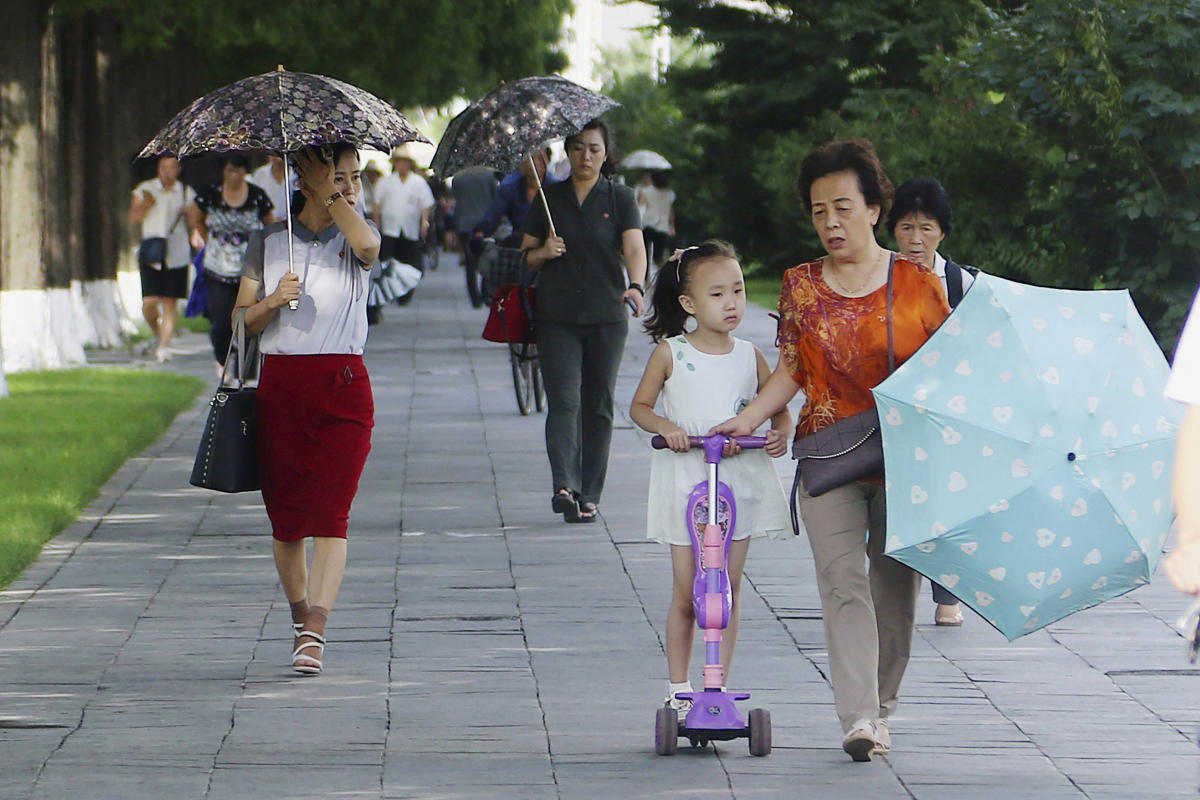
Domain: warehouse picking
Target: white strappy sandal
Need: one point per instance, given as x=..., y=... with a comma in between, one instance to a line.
x=304, y=663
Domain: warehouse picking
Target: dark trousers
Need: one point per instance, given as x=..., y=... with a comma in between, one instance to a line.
x=942, y=595
x=221, y=298
x=470, y=263
x=579, y=370
x=656, y=245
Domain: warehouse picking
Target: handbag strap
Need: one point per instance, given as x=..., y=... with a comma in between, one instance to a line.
x=179, y=215
x=238, y=340
x=891, y=347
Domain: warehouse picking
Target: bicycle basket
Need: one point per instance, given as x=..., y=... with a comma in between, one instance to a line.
x=504, y=265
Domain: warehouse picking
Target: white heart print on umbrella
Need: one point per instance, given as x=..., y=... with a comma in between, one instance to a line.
x=1017, y=460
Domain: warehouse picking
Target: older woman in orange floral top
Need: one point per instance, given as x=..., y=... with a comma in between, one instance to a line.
x=834, y=346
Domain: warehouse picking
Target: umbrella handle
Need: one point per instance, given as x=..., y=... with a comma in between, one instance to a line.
x=287, y=210
x=542, y=194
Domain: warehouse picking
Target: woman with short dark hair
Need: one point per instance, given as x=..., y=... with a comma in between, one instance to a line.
x=833, y=344
x=581, y=316
x=222, y=219
x=920, y=220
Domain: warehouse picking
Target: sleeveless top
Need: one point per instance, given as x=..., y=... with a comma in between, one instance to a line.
x=703, y=390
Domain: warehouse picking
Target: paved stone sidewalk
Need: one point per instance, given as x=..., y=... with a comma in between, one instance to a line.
x=481, y=648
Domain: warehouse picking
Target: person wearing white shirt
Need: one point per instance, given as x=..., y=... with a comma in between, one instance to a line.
x=404, y=204
x=1183, y=564
x=920, y=219
x=158, y=205
x=270, y=178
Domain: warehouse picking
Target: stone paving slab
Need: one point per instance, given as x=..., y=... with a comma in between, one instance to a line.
x=481, y=648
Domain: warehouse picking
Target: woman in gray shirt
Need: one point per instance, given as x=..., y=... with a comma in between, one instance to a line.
x=315, y=407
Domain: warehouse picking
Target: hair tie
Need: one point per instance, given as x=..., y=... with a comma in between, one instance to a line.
x=677, y=257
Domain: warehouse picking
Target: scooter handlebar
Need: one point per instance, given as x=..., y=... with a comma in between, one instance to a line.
x=744, y=442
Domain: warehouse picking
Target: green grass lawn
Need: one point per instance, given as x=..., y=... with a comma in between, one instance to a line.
x=63, y=433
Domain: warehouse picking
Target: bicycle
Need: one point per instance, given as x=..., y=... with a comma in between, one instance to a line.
x=504, y=267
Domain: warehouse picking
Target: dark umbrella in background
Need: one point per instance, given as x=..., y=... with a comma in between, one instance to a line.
x=281, y=112
x=511, y=122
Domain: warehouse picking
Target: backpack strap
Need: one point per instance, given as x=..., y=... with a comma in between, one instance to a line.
x=954, y=283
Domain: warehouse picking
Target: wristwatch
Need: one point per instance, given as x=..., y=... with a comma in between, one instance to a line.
x=638, y=286
x=333, y=198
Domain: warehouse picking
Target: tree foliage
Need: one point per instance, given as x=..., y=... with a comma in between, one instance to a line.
x=410, y=53
x=1065, y=132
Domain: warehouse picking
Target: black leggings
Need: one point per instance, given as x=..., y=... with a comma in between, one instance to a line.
x=221, y=298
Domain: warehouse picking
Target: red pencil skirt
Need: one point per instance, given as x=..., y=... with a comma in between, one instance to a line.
x=315, y=415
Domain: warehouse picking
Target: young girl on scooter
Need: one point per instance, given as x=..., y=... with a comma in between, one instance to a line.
x=704, y=375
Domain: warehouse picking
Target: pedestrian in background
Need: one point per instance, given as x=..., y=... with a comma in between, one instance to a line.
x=656, y=201
x=404, y=208
x=270, y=177
x=581, y=313
x=920, y=220
x=160, y=204
x=222, y=219
x=473, y=190
x=514, y=197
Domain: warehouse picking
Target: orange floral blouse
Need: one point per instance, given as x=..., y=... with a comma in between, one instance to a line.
x=837, y=378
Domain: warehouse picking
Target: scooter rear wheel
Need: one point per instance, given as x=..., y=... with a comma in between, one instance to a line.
x=666, y=731
x=760, y=732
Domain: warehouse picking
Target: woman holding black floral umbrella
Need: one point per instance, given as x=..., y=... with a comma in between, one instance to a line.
x=582, y=258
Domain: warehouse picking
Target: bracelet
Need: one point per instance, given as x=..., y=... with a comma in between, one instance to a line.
x=333, y=198
x=638, y=286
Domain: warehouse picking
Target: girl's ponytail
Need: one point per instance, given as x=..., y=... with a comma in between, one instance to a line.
x=667, y=316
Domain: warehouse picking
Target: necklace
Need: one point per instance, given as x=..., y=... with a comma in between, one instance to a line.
x=856, y=291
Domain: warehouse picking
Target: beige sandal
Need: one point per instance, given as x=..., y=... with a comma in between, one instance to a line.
x=307, y=664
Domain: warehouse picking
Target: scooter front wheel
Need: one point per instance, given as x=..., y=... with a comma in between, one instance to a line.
x=666, y=731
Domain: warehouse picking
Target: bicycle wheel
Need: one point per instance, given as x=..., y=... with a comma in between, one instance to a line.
x=539, y=390
x=522, y=374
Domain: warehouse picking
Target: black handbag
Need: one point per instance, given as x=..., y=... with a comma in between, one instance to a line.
x=152, y=252
x=849, y=449
x=227, y=459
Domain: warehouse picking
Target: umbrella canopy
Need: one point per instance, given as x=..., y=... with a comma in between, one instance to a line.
x=281, y=112
x=515, y=119
x=1028, y=452
x=645, y=159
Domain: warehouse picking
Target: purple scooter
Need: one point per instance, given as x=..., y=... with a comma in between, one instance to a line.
x=711, y=515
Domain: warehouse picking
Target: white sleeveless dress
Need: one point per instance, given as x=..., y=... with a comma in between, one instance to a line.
x=704, y=390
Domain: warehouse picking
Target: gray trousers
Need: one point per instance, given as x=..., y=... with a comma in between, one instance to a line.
x=868, y=615
x=579, y=371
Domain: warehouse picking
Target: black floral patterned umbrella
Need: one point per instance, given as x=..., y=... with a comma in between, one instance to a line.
x=511, y=122
x=281, y=112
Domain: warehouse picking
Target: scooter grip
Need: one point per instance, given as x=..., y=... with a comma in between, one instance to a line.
x=744, y=442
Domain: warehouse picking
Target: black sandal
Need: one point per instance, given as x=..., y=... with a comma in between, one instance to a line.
x=586, y=513
x=563, y=502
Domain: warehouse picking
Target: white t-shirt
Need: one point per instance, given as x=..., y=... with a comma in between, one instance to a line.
x=655, y=204
x=163, y=214
x=274, y=189
x=399, y=204
x=1184, y=383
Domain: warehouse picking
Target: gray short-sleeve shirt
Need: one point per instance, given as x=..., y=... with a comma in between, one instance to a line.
x=332, y=313
x=585, y=284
